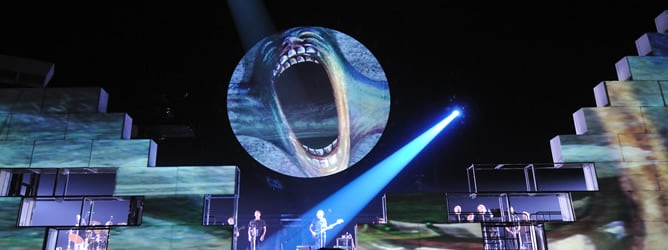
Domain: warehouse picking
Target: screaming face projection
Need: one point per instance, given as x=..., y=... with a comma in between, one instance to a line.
x=308, y=102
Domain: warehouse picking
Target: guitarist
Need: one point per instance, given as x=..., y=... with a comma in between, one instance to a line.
x=319, y=228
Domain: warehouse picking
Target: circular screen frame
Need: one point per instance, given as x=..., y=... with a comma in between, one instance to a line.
x=308, y=102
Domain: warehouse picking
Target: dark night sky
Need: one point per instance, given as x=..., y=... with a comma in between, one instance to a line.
x=520, y=74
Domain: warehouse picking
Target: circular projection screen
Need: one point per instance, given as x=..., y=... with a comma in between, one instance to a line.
x=308, y=102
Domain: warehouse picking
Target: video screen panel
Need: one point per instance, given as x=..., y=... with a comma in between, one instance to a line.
x=308, y=102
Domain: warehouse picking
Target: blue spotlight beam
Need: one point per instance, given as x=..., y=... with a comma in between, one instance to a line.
x=353, y=197
x=361, y=190
x=252, y=21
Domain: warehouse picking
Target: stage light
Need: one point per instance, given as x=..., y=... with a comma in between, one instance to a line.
x=352, y=198
x=251, y=19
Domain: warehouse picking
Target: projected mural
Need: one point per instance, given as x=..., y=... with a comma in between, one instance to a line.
x=308, y=102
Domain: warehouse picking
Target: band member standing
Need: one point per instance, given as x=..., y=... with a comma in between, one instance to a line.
x=457, y=217
x=235, y=231
x=318, y=229
x=257, y=228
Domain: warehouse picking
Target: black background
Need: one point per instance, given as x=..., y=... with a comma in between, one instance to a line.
x=519, y=72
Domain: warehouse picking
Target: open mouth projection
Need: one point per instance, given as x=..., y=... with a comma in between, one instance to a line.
x=307, y=91
x=301, y=111
x=306, y=98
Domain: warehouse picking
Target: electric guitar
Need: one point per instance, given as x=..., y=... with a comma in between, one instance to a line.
x=327, y=228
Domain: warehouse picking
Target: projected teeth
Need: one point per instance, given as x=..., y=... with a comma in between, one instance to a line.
x=321, y=163
x=321, y=151
x=333, y=161
x=297, y=54
x=292, y=52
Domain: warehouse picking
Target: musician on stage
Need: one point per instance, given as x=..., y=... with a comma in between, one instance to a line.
x=318, y=229
x=257, y=228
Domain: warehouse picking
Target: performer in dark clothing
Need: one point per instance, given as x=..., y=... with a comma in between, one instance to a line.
x=257, y=229
x=319, y=228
